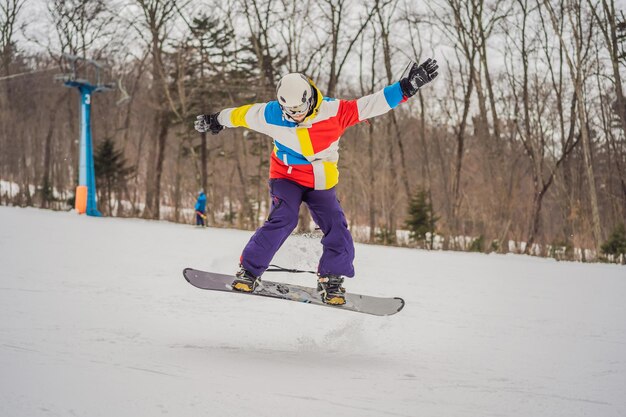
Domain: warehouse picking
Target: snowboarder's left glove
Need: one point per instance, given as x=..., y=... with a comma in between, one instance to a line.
x=418, y=76
x=208, y=123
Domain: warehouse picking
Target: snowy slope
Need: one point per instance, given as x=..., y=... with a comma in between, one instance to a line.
x=97, y=320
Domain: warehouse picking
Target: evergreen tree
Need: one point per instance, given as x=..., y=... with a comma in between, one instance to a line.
x=616, y=244
x=421, y=218
x=111, y=171
x=478, y=244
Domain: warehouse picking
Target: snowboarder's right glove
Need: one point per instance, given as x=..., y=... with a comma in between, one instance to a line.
x=418, y=76
x=208, y=123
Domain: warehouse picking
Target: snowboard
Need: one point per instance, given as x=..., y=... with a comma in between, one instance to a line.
x=377, y=306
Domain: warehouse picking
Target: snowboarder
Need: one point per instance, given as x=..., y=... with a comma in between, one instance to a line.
x=201, y=209
x=306, y=128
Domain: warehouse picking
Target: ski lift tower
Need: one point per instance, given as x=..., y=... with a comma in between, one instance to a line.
x=86, y=198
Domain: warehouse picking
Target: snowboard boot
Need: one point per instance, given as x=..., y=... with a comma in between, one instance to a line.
x=245, y=281
x=330, y=289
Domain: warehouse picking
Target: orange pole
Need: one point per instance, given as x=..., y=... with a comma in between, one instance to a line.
x=81, y=199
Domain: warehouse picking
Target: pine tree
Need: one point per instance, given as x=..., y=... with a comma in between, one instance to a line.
x=421, y=218
x=111, y=171
x=616, y=244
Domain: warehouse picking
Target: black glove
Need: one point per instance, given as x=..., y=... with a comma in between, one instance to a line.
x=418, y=76
x=208, y=123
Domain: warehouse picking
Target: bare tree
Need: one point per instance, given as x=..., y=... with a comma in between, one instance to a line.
x=334, y=13
x=368, y=88
x=486, y=26
x=156, y=18
x=261, y=18
x=82, y=27
x=608, y=25
x=385, y=12
x=581, y=31
x=9, y=11
x=539, y=132
x=459, y=25
x=303, y=47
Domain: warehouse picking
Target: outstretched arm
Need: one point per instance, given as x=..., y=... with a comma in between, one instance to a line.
x=250, y=116
x=354, y=111
x=418, y=76
x=208, y=123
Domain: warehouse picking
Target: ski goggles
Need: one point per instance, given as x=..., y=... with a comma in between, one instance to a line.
x=299, y=110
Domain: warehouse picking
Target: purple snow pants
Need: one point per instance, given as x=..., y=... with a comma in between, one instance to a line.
x=338, y=248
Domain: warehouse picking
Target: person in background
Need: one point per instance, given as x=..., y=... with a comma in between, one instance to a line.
x=201, y=209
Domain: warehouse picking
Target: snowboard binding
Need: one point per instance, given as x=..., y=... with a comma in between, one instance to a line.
x=330, y=289
x=245, y=281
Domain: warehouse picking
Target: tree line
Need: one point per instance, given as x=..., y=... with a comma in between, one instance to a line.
x=521, y=139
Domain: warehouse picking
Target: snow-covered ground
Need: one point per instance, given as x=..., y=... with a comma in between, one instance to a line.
x=97, y=320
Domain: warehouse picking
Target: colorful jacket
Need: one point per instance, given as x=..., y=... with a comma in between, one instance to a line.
x=308, y=152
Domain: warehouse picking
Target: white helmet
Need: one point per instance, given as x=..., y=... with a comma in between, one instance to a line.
x=294, y=94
